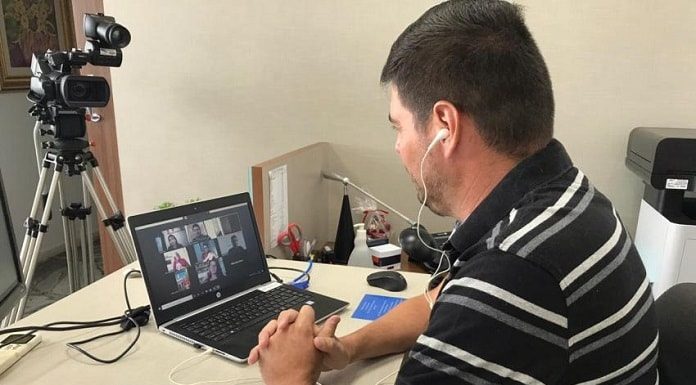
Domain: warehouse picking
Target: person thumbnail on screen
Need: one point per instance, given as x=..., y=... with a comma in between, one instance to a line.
x=183, y=282
x=177, y=260
x=230, y=224
x=214, y=270
x=205, y=251
x=209, y=271
x=213, y=227
x=236, y=250
x=171, y=239
x=197, y=233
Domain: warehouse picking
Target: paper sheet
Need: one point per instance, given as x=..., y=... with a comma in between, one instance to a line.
x=374, y=306
x=278, y=181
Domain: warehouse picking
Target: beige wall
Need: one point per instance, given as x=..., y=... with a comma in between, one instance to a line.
x=209, y=88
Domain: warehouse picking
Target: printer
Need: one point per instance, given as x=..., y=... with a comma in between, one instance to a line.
x=665, y=159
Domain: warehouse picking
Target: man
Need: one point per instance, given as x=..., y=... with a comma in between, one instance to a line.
x=198, y=235
x=236, y=252
x=545, y=286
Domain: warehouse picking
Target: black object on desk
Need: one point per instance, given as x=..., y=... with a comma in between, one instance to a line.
x=387, y=280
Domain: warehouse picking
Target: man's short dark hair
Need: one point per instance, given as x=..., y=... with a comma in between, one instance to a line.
x=479, y=56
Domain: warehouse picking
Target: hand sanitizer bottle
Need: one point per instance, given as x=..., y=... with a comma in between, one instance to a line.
x=360, y=256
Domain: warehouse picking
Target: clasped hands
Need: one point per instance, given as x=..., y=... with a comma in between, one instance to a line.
x=292, y=350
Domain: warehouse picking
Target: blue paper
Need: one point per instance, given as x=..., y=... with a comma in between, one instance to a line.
x=372, y=306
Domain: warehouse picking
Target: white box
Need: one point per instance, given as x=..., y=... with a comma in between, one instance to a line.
x=386, y=257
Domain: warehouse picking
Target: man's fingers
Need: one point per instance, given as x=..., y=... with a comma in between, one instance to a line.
x=329, y=327
x=253, y=355
x=325, y=344
x=286, y=317
x=306, y=317
x=266, y=333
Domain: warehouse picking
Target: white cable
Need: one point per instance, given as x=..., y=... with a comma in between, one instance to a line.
x=387, y=376
x=239, y=381
x=442, y=255
x=37, y=150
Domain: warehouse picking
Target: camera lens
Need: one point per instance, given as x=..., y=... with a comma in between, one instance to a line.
x=78, y=91
x=84, y=91
x=118, y=36
x=114, y=34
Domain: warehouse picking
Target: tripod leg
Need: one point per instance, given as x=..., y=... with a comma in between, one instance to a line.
x=34, y=211
x=125, y=237
x=68, y=239
x=82, y=228
x=29, y=236
x=102, y=214
x=127, y=244
x=90, y=237
x=30, y=266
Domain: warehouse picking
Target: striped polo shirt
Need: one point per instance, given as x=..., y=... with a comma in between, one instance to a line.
x=546, y=287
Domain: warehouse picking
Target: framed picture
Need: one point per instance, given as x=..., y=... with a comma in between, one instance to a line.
x=27, y=27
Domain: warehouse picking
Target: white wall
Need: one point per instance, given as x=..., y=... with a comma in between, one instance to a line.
x=18, y=165
x=208, y=89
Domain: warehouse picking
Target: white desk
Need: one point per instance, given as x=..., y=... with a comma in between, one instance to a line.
x=155, y=354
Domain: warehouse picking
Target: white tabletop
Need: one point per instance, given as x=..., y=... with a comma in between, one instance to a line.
x=155, y=354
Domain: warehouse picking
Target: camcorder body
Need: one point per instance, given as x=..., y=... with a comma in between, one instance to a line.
x=59, y=94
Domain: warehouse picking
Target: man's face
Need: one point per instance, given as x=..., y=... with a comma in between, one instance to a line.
x=205, y=248
x=234, y=241
x=411, y=144
x=196, y=230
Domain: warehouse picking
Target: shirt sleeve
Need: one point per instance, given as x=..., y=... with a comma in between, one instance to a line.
x=500, y=320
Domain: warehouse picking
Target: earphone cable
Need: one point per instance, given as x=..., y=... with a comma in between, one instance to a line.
x=436, y=274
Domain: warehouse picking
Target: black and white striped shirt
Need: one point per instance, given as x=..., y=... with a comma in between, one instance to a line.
x=546, y=288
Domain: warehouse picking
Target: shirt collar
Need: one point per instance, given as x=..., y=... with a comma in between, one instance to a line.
x=545, y=165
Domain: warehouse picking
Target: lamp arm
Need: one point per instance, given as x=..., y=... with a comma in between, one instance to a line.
x=347, y=182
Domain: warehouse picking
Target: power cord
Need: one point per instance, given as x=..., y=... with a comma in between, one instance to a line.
x=301, y=281
x=387, y=376
x=200, y=355
x=132, y=318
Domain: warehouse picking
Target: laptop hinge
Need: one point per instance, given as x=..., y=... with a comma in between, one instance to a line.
x=269, y=286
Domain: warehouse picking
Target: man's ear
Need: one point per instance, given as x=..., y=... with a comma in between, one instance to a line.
x=447, y=116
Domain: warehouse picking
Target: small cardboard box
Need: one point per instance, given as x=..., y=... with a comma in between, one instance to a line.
x=386, y=257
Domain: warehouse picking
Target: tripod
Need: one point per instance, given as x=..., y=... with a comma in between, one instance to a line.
x=70, y=157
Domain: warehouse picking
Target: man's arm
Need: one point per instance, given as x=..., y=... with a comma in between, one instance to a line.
x=395, y=332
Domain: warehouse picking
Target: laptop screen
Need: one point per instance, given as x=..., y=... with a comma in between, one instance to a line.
x=197, y=254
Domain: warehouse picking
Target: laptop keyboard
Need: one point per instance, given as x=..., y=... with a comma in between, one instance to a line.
x=235, y=316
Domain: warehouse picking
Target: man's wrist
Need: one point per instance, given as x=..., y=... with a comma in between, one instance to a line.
x=350, y=345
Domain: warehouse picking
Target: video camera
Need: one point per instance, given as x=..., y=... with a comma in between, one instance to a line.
x=60, y=96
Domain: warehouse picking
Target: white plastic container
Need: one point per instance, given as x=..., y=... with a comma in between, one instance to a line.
x=361, y=255
x=386, y=257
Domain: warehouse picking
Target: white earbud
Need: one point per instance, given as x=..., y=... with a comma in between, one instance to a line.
x=442, y=134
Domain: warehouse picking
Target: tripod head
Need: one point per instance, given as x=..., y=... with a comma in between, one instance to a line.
x=59, y=95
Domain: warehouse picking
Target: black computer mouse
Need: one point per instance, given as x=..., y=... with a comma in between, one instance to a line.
x=387, y=280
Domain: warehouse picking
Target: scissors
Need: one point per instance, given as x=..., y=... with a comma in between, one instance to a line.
x=291, y=238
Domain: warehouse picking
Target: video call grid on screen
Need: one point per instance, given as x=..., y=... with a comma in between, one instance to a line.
x=200, y=254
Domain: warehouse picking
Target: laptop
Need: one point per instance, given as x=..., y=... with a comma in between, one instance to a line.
x=207, y=278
